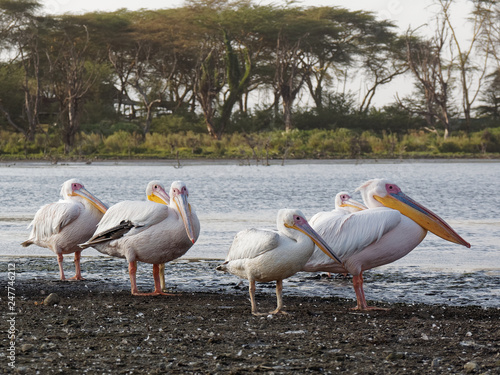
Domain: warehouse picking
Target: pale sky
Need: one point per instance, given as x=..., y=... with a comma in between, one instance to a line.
x=404, y=13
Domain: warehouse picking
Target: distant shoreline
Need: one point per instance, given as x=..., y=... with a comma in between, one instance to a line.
x=242, y=162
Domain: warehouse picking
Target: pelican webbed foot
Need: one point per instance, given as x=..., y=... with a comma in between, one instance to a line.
x=370, y=308
x=76, y=278
x=154, y=293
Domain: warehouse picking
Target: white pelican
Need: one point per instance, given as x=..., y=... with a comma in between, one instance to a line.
x=61, y=226
x=155, y=192
x=393, y=226
x=344, y=205
x=148, y=232
x=265, y=255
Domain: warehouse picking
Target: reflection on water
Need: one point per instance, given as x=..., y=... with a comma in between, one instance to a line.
x=229, y=197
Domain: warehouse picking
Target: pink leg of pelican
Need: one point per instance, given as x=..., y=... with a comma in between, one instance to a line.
x=251, y=290
x=132, y=270
x=357, y=281
x=279, y=292
x=158, y=285
x=78, y=271
x=279, y=298
x=61, y=271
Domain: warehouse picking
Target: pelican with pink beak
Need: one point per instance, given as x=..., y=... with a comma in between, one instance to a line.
x=391, y=227
x=145, y=231
x=62, y=225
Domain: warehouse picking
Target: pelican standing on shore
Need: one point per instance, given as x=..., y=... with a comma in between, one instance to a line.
x=148, y=232
x=393, y=226
x=62, y=225
x=155, y=192
x=266, y=255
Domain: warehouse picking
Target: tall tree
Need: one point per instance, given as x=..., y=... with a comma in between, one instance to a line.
x=491, y=97
x=19, y=33
x=433, y=75
x=472, y=70
x=72, y=72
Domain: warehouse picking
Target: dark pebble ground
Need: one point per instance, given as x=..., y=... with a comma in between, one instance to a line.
x=99, y=328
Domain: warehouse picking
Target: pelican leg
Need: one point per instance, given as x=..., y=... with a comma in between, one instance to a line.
x=162, y=277
x=357, y=281
x=61, y=271
x=251, y=291
x=78, y=271
x=279, y=297
x=157, y=277
x=132, y=270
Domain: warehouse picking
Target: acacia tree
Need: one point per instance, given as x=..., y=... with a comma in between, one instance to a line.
x=290, y=74
x=72, y=73
x=383, y=59
x=491, y=97
x=472, y=71
x=224, y=72
x=209, y=83
x=20, y=34
x=433, y=77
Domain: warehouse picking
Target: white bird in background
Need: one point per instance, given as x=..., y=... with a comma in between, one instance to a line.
x=393, y=226
x=155, y=192
x=266, y=255
x=62, y=225
x=344, y=205
x=148, y=232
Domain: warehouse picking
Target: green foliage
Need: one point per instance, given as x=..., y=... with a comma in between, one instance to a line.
x=338, y=143
x=177, y=123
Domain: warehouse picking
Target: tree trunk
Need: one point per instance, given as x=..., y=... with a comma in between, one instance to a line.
x=287, y=113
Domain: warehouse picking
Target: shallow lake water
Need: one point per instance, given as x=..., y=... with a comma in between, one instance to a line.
x=229, y=197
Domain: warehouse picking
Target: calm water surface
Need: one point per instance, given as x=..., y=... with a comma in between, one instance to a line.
x=229, y=197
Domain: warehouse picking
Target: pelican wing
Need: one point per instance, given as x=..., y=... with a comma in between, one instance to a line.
x=138, y=213
x=127, y=218
x=349, y=234
x=110, y=234
x=325, y=215
x=251, y=243
x=51, y=218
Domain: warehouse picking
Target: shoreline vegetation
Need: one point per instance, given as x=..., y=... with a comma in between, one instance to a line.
x=255, y=148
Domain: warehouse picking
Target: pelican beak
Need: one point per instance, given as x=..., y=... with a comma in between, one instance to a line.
x=84, y=193
x=422, y=216
x=184, y=209
x=354, y=204
x=317, y=239
x=160, y=196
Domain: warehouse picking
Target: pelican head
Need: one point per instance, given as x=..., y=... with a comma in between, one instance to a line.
x=155, y=192
x=345, y=201
x=384, y=193
x=179, y=199
x=294, y=219
x=73, y=187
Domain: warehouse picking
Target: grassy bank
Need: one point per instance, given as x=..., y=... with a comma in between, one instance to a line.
x=300, y=144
